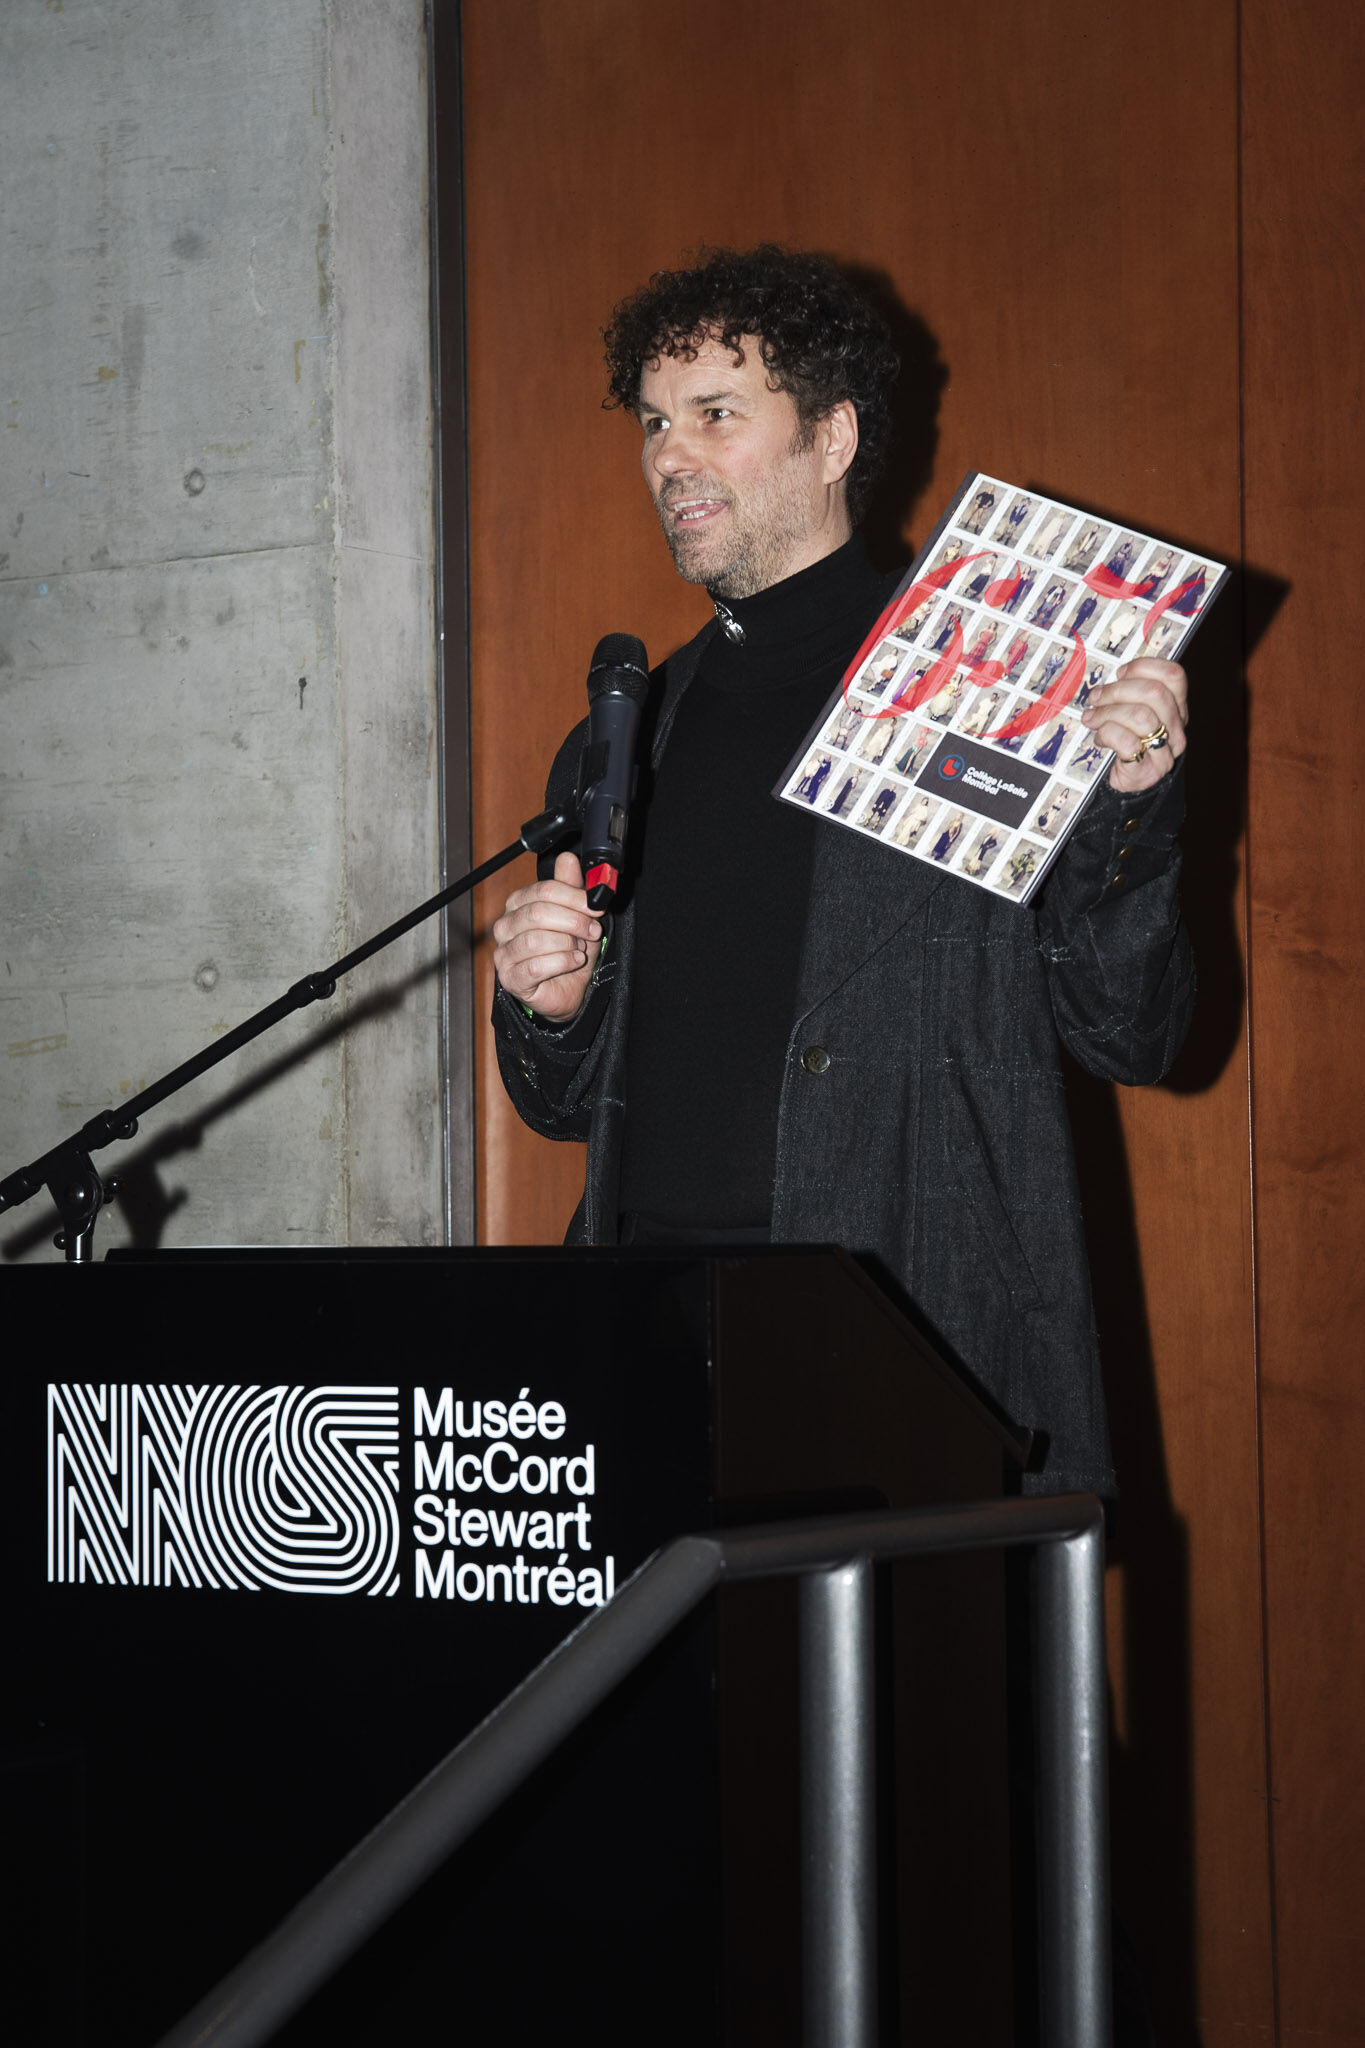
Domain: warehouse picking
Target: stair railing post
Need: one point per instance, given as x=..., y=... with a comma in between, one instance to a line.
x=838, y=1807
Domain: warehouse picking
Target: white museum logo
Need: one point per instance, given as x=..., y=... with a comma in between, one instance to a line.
x=238, y=1488
x=296, y=1490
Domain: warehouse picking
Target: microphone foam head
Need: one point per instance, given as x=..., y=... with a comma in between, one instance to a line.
x=620, y=664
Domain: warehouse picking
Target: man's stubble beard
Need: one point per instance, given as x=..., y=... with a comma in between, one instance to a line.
x=761, y=538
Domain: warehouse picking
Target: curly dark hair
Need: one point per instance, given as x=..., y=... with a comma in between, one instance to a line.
x=822, y=341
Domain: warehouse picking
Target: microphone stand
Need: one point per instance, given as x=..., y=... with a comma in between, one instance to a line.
x=68, y=1172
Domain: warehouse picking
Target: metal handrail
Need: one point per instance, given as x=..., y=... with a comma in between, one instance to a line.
x=834, y=1556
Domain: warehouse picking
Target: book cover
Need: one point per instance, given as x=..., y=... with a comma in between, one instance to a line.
x=955, y=736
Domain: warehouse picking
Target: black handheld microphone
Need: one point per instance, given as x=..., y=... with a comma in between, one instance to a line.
x=618, y=683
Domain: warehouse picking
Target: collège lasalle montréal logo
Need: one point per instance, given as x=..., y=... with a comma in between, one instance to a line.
x=984, y=780
x=298, y=1490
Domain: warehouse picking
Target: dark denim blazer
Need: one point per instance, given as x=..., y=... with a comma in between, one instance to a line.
x=935, y=1137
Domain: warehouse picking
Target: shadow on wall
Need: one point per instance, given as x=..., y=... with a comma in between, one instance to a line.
x=1153, y=1766
x=1217, y=665
x=146, y=1202
x=914, y=420
x=1216, y=771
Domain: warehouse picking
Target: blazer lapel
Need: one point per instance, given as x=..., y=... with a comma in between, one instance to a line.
x=678, y=672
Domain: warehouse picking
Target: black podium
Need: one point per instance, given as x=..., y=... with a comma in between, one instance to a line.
x=282, y=1528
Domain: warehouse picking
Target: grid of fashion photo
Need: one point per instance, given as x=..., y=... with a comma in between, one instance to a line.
x=1017, y=609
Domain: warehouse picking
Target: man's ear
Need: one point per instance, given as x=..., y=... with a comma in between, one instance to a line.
x=838, y=440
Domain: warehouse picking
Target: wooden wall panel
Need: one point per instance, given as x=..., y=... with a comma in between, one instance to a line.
x=1058, y=204
x=1304, y=74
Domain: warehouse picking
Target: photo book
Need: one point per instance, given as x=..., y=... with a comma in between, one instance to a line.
x=956, y=734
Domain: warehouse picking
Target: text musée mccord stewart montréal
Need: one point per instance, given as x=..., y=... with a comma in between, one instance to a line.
x=296, y=1489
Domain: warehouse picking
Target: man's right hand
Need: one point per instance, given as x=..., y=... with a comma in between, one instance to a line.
x=546, y=943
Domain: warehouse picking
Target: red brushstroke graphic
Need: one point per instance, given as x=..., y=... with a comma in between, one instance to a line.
x=983, y=668
x=1047, y=707
x=935, y=676
x=1101, y=579
x=1105, y=583
x=999, y=594
x=900, y=608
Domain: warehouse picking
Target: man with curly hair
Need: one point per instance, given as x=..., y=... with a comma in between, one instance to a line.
x=789, y=1032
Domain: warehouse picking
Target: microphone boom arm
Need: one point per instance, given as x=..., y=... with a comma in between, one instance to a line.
x=67, y=1171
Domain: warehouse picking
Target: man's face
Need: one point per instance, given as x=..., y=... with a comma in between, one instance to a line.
x=744, y=498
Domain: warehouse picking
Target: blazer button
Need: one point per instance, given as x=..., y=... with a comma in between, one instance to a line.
x=815, y=1059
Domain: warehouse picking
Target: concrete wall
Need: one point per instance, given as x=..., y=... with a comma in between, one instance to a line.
x=218, y=745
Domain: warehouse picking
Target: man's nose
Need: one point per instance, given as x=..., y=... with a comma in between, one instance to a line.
x=674, y=450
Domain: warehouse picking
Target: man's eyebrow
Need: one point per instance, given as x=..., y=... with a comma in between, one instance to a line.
x=697, y=403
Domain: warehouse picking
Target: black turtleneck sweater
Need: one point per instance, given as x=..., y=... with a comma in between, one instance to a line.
x=721, y=895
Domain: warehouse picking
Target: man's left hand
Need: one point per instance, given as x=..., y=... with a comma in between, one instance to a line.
x=1147, y=697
